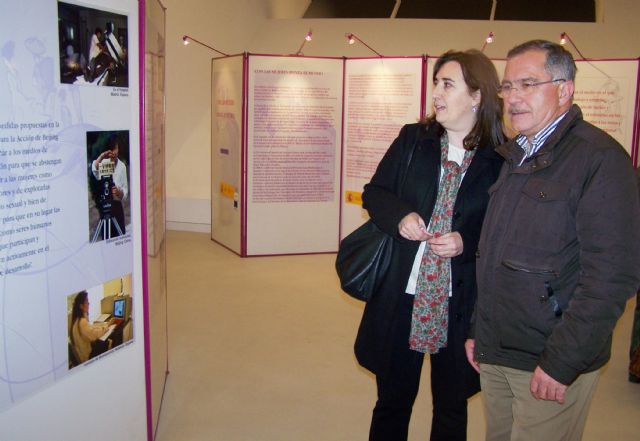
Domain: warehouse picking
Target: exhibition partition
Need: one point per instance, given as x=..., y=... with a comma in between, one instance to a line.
x=153, y=207
x=295, y=139
x=76, y=191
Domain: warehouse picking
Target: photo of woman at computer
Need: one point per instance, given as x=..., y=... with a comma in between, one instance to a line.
x=84, y=335
x=109, y=325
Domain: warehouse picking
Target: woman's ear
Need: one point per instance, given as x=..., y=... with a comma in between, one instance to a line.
x=476, y=98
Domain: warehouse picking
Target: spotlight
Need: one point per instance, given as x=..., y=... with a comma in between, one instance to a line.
x=351, y=37
x=487, y=41
x=565, y=37
x=186, y=39
x=307, y=38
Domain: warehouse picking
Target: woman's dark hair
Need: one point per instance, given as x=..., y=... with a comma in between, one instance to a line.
x=76, y=312
x=479, y=74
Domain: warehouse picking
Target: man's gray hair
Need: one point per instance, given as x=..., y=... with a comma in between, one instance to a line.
x=559, y=63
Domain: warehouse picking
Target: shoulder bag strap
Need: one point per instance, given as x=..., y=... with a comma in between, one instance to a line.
x=409, y=158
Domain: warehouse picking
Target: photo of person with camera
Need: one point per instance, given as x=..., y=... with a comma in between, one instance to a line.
x=108, y=184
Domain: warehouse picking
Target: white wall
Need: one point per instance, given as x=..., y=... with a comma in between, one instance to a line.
x=227, y=25
x=245, y=25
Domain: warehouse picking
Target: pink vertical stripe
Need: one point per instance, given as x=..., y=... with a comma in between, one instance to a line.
x=244, y=155
x=143, y=217
x=636, y=121
x=340, y=188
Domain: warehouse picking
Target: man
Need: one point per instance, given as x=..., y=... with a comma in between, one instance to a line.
x=558, y=257
x=120, y=187
x=94, y=47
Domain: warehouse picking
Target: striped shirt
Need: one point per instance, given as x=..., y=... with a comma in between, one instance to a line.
x=531, y=148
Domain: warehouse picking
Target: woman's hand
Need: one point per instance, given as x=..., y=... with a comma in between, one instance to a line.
x=447, y=245
x=412, y=227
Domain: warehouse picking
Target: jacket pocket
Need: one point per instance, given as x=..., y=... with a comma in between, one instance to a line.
x=526, y=309
x=544, y=190
x=543, y=217
x=516, y=266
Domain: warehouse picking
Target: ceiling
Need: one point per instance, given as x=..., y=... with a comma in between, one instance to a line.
x=511, y=10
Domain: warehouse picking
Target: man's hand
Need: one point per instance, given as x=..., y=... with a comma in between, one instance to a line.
x=543, y=387
x=117, y=192
x=469, y=345
x=108, y=154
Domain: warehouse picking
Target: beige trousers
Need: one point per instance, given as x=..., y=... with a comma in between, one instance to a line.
x=513, y=414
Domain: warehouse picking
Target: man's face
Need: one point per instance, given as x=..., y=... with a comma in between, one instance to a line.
x=114, y=154
x=530, y=113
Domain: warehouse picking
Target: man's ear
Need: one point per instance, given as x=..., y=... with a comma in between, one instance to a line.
x=565, y=92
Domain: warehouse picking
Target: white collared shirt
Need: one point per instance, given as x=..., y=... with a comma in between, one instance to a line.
x=530, y=148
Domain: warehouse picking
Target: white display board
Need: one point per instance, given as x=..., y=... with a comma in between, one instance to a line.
x=294, y=124
x=227, y=76
x=381, y=95
x=60, y=110
x=605, y=90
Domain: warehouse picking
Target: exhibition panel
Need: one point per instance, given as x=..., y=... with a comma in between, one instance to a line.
x=71, y=292
x=381, y=95
x=294, y=110
x=605, y=90
x=227, y=116
x=289, y=179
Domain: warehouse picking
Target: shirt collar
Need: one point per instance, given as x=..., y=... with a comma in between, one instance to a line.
x=532, y=147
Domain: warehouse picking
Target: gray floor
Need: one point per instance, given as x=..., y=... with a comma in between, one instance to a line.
x=260, y=349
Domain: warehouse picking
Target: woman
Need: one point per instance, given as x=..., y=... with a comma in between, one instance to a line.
x=83, y=334
x=425, y=303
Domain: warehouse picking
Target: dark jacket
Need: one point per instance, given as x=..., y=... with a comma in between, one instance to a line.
x=375, y=337
x=559, y=253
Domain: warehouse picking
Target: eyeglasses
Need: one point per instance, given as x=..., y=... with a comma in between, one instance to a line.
x=525, y=87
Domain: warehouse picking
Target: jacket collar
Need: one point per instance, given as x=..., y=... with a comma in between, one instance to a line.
x=544, y=157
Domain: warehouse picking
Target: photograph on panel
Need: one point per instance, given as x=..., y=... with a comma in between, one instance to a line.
x=93, y=46
x=108, y=177
x=99, y=320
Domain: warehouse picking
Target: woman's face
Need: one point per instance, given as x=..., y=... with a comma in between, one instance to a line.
x=452, y=102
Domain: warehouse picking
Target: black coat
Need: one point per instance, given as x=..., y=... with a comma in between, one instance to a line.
x=375, y=338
